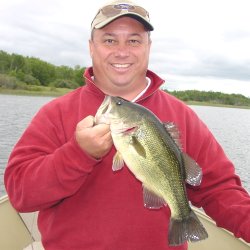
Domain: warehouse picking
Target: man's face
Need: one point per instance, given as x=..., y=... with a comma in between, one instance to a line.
x=120, y=54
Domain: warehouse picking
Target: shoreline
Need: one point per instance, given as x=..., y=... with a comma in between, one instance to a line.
x=56, y=92
x=44, y=91
x=210, y=104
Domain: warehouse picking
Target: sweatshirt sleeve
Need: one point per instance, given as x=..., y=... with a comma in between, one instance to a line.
x=220, y=194
x=46, y=165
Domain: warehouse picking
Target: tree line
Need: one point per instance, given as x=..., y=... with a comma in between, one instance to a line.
x=17, y=71
x=212, y=97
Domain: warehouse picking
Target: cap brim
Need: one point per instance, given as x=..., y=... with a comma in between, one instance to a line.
x=138, y=17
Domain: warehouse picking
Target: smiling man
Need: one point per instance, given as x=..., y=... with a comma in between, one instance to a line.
x=120, y=54
x=62, y=164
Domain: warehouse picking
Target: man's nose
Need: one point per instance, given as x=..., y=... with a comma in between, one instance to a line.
x=122, y=50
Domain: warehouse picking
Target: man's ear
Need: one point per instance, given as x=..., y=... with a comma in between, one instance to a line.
x=90, y=48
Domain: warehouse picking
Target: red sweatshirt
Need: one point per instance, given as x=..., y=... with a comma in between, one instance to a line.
x=83, y=204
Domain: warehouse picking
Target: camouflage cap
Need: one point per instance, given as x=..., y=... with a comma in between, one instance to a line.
x=115, y=9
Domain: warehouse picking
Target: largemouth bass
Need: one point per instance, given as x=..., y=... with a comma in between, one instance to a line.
x=151, y=151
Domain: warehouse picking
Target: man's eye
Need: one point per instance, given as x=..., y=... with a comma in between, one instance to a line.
x=109, y=41
x=134, y=42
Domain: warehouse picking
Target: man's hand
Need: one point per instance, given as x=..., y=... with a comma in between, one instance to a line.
x=94, y=139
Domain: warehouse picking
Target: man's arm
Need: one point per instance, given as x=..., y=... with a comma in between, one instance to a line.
x=45, y=168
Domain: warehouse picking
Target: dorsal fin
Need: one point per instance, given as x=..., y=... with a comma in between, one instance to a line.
x=174, y=133
x=193, y=171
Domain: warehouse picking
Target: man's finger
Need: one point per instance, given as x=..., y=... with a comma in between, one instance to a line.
x=87, y=122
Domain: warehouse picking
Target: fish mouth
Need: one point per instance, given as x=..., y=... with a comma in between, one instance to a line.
x=105, y=115
x=102, y=115
x=118, y=127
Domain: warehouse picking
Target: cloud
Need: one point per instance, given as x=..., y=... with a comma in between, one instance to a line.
x=34, y=30
x=196, y=44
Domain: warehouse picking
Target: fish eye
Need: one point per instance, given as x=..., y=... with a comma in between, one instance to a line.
x=119, y=102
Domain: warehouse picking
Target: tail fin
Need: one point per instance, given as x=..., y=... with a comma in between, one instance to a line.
x=189, y=229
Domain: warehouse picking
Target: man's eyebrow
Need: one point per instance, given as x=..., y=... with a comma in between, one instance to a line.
x=108, y=34
x=114, y=34
x=136, y=34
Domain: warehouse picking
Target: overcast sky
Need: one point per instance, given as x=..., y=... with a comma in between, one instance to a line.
x=197, y=44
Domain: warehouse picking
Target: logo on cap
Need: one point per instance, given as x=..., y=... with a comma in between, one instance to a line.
x=124, y=6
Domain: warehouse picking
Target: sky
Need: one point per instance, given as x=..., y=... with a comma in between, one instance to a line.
x=196, y=44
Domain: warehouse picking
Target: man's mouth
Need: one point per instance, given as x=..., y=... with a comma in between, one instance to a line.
x=121, y=66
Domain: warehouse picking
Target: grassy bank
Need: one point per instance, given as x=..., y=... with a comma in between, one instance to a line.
x=38, y=91
x=195, y=103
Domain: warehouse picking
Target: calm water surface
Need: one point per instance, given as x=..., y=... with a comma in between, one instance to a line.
x=15, y=114
x=231, y=128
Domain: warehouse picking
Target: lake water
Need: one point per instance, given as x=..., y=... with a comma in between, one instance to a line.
x=15, y=114
x=230, y=126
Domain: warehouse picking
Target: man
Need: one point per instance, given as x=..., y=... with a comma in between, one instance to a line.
x=61, y=165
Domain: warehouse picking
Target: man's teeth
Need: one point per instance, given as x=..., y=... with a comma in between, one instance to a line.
x=121, y=65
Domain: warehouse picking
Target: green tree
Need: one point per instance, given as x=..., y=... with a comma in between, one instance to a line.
x=43, y=71
x=64, y=72
x=17, y=62
x=5, y=59
x=78, y=75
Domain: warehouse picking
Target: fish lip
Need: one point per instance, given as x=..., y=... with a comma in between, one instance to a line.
x=103, y=111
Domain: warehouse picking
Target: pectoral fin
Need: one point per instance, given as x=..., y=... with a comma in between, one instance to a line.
x=151, y=200
x=118, y=162
x=138, y=146
x=193, y=171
